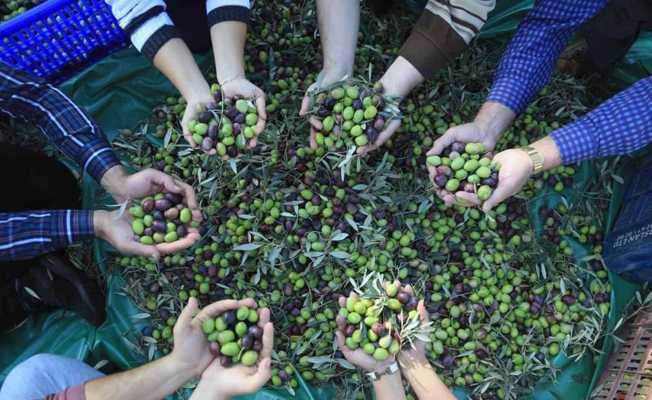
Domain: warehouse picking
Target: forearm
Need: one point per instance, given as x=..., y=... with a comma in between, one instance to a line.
x=339, y=21
x=400, y=78
x=205, y=391
x=29, y=234
x=618, y=126
x=228, y=48
x=154, y=381
x=389, y=387
x=425, y=382
x=493, y=118
x=176, y=62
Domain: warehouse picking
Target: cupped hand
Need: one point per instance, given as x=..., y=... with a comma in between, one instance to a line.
x=324, y=80
x=193, y=108
x=515, y=168
x=218, y=382
x=242, y=88
x=358, y=357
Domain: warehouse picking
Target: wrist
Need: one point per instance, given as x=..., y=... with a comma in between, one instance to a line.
x=207, y=390
x=493, y=118
x=400, y=78
x=100, y=218
x=113, y=181
x=185, y=369
x=333, y=74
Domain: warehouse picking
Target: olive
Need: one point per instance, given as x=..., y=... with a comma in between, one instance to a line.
x=162, y=204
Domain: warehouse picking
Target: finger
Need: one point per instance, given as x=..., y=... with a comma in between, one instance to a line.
x=340, y=321
x=305, y=105
x=213, y=310
x=188, y=312
x=313, y=138
x=501, y=193
x=251, y=303
x=467, y=199
x=342, y=301
x=162, y=179
x=316, y=123
x=188, y=194
x=134, y=248
x=440, y=144
x=178, y=245
x=262, y=375
x=263, y=317
x=423, y=313
x=262, y=115
x=387, y=133
x=268, y=340
x=340, y=341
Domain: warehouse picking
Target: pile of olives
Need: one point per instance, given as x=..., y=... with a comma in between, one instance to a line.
x=163, y=218
x=373, y=322
x=237, y=335
x=350, y=115
x=226, y=126
x=465, y=167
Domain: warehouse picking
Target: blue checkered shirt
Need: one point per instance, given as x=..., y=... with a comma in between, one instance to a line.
x=619, y=126
x=28, y=234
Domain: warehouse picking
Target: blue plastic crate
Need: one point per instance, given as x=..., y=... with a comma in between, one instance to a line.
x=59, y=38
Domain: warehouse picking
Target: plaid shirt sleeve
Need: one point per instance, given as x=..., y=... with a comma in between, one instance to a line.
x=619, y=126
x=530, y=57
x=28, y=234
x=63, y=122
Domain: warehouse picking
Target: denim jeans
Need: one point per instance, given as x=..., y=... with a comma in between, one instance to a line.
x=45, y=374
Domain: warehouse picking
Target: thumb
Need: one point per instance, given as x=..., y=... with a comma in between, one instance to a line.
x=135, y=248
x=502, y=192
x=164, y=180
x=440, y=144
x=305, y=105
x=262, y=375
x=188, y=313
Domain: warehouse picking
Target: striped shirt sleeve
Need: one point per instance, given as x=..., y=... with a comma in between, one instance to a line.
x=443, y=31
x=149, y=26
x=28, y=234
x=58, y=118
x=530, y=57
x=619, y=126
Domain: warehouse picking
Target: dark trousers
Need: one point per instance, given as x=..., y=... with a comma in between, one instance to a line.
x=189, y=16
x=612, y=32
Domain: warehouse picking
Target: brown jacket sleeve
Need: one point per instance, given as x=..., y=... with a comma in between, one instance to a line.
x=443, y=31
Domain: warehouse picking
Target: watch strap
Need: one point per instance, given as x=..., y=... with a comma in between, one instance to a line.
x=389, y=370
x=536, y=157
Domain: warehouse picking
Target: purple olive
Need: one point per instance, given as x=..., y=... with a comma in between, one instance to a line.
x=207, y=144
x=258, y=345
x=458, y=147
x=247, y=342
x=163, y=204
x=159, y=226
x=323, y=112
x=440, y=181
x=239, y=118
x=413, y=303
x=448, y=361
x=148, y=231
x=213, y=131
x=356, y=104
x=348, y=331
x=148, y=205
x=204, y=117
x=236, y=128
x=229, y=317
x=256, y=331
x=182, y=231
x=158, y=215
x=232, y=151
x=283, y=375
x=568, y=299
x=173, y=198
x=225, y=361
x=378, y=329
x=403, y=297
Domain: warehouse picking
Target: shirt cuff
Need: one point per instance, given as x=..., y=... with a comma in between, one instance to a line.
x=574, y=141
x=509, y=93
x=71, y=226
x=98, y=157
x=432, y=44
x=148, y=29
x=227, y=10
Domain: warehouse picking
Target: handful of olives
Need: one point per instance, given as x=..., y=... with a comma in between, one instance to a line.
x=350, y=115
x=163, y=218
x=237, y=336
x=382, y=321
x=466, y=167
x=226, y=126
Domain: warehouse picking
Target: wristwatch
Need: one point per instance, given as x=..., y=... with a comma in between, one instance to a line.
x=390, y=370
x=536, y=157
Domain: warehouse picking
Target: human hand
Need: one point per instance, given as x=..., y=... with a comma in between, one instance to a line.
x=192, y=350
x=241, y=88
x=115, y=228
x=194, y=106
x=218, y=382
x=515, y=168
x=415, y=354
x=324, y=80
x=358, y=357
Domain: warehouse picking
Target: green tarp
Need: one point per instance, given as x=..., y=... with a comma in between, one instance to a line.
x=119, y=92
